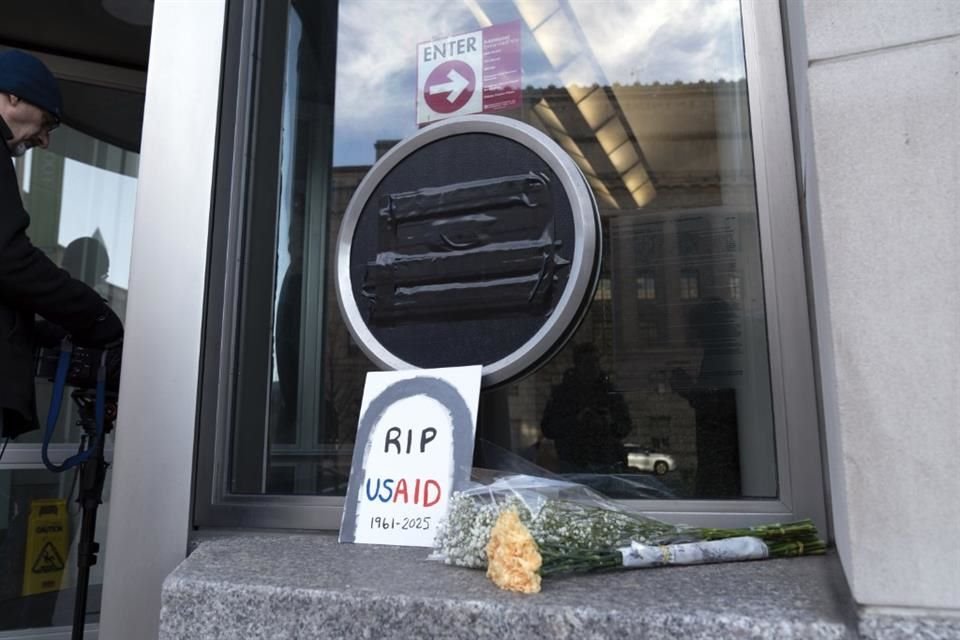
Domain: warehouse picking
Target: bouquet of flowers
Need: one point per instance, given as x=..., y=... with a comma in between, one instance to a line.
x=524, y=528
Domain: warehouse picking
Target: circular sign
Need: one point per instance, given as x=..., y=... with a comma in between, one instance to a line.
x=474, y=241
x=449, y=86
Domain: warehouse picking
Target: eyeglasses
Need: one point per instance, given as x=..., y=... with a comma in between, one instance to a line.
x=49, y=122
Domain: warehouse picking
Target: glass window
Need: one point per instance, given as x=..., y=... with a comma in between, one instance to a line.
x=650, y=98
x=734, y=284
x=646, y=287
x=80, y=194
x=689, y=284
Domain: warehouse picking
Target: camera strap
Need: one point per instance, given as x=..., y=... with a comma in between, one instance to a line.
x=59, y=383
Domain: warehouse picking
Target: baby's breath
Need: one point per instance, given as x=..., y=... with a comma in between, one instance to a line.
x=554, y=523
x=582, y=534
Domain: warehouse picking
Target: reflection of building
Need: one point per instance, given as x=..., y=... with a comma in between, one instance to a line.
x=695, y=239
x=82, y=184
x=693, y=242
x=348, y=365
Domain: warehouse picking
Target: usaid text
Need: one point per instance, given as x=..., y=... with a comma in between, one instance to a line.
x=424, y=492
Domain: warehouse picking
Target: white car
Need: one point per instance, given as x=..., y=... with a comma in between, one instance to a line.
x=643, y=459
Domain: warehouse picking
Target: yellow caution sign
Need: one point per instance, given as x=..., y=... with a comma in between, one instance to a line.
x=47, y=544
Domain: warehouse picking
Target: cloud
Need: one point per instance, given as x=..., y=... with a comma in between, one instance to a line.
x=377, y=57
x=655, y=40
x=664, y=40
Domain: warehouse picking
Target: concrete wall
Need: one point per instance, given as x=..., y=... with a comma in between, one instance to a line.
x=878, y=108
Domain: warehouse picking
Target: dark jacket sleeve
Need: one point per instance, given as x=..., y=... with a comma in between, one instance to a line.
x=30, y=281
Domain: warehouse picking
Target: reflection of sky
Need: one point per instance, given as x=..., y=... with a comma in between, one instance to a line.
x=95, y=199
x=377, y=68
x=630, y=41
x=664, y=40
x=294, y=33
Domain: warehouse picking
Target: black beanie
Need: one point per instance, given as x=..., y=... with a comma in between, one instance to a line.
x=24, y=76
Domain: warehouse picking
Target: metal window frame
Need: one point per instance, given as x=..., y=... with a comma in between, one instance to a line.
x=797, y=434
x=151, y=492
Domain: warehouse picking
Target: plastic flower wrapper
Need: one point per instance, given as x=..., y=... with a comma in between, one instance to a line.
x=522, y=528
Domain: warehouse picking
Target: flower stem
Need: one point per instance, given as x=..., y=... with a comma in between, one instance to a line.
x=783, y=540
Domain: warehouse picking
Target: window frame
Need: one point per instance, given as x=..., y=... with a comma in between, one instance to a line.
x=689, y=284
x=790, y=354
x=646, y=286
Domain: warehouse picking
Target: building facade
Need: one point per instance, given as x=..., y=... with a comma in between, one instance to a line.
x=777, y=189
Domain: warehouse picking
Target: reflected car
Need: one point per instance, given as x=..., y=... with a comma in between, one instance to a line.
x=644, y=459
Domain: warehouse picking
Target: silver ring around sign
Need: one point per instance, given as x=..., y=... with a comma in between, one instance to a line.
x=584, y=270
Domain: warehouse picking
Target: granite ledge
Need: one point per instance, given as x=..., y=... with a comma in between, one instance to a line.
x=308, y=586
x=878, y=625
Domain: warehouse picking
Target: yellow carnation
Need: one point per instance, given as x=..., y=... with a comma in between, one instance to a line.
x=513, y=560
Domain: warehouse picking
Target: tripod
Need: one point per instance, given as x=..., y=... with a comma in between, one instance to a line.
x=93, y=473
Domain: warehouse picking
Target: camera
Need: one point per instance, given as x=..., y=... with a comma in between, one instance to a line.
x=83, y=367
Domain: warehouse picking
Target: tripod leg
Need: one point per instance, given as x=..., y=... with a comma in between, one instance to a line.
x=92, y=476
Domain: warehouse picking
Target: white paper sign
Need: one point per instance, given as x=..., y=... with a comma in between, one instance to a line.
x=414, y=446
x=468, y=73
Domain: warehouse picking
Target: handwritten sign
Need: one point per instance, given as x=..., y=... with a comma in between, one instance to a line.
x=414, y=447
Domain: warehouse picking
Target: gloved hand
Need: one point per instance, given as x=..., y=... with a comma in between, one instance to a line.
x=106, y=330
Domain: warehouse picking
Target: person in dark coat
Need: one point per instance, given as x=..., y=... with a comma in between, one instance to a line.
x=587, y=418
x=30, y=283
